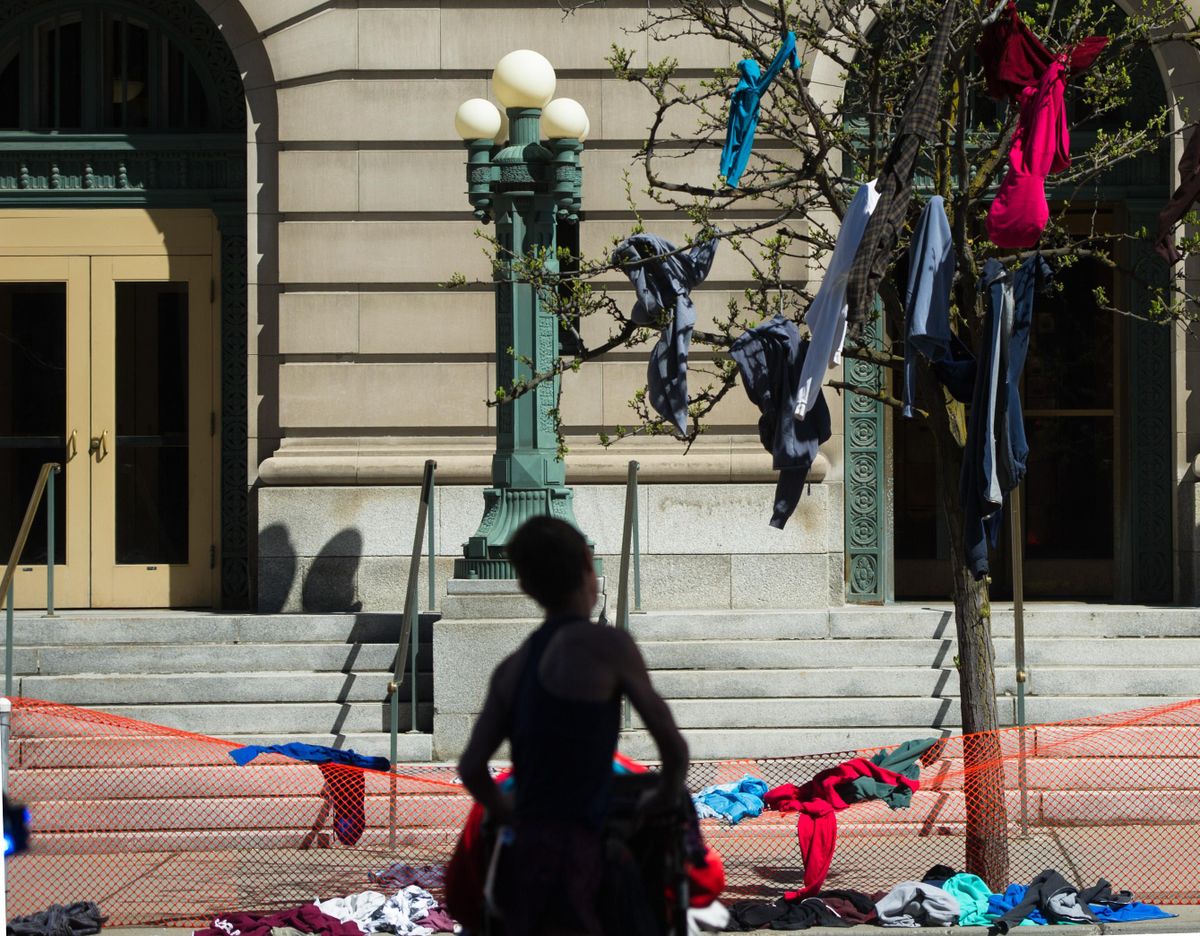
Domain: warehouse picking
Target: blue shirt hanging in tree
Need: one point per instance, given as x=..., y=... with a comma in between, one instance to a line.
x=743, y=108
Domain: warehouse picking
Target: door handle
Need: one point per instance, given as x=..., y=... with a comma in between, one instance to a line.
x=72, y=445
x=99, y=444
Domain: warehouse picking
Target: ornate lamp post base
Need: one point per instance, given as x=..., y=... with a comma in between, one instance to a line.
x=504, y=510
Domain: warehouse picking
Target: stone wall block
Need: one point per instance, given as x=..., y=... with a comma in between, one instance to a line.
x=343, y=395
x=266, y=14
x=369, y=109
x=325, y=42
x=719, y=518
x=582, y=401
x=336, y=521
x=383, y=581
x=678, y=581
x=318, y=323
x=413, y=252
x=470, y=650
x=382, y=173
x=319, y=180
x=600, y=510
x=427, y=323
x=477, y=33
x=781, y=581
x=399, y=39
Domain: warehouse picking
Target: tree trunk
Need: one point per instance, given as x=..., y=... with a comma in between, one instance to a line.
x=987, y=817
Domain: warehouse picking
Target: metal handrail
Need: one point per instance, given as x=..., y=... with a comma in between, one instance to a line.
x=630, y=549
x=6, y=583
x=406, y=647
x=410, y=632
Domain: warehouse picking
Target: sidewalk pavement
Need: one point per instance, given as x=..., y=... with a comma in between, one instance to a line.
x=1187, y=923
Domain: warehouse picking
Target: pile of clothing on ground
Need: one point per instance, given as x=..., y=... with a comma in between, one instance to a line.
x=407, y=910
x=946, y=898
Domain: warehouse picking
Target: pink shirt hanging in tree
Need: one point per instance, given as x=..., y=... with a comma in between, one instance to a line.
x=1040, y=146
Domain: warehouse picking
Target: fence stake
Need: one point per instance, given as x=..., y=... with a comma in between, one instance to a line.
x=1018, y=586
x=5, y=724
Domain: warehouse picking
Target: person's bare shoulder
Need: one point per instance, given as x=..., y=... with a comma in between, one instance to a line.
x=507, y=673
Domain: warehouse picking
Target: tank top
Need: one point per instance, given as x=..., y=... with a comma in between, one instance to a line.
x=562, y=749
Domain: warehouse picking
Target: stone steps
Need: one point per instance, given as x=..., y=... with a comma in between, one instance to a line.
x=322, y=678
x=779, y=683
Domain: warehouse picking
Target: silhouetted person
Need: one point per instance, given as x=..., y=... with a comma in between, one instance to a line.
x=557, y=700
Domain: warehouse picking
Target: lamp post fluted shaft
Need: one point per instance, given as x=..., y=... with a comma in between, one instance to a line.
x=527, y=188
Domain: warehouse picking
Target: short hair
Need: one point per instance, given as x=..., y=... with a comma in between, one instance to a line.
x=550, y=557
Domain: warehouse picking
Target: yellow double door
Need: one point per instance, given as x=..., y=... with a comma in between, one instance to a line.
x=107, y=365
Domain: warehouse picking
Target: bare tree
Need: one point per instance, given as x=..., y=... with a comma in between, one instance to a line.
x=817, y=148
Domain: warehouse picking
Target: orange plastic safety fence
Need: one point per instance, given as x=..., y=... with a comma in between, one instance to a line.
x=1113, y=796
x=161, y=826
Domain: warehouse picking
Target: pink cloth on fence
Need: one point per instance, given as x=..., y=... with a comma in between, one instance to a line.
x=1040, y=146
x=818, y=802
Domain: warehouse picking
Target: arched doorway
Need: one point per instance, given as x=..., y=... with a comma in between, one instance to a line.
x=123, y=300
x=1097, y=517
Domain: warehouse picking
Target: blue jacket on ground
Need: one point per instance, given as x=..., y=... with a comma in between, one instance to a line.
x=731, y=801
x=1129, y=913
x=312, y=753
x=1000, y=904
x=744, y=105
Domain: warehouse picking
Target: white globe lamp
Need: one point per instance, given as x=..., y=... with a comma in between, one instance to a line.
x=565, y=119
x=523, y=78
x=477, y=119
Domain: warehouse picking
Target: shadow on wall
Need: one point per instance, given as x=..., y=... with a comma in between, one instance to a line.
x=327, y=582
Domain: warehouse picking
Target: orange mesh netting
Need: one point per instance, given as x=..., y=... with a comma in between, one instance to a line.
x=160, y=826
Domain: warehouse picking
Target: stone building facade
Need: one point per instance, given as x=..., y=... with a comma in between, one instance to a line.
x=320, y=188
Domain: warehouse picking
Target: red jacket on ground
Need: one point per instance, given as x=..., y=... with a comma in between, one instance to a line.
x=818, y=802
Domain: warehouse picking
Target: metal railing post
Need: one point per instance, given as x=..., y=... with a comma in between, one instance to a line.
x=50, y=544
x=431, y=552
x=410, y=637
x=409, y=629
x=7, y=581
x=8, y=641
x=637, y=542
x=623, y=576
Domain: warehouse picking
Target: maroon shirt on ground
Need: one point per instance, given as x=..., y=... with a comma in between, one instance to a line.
x=306, y=918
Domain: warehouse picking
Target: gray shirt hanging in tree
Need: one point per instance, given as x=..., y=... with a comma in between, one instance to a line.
x=663, y=281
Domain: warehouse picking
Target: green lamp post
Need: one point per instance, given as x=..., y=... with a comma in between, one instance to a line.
x=527, y=188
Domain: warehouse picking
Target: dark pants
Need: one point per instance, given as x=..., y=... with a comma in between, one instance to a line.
x=549, y=880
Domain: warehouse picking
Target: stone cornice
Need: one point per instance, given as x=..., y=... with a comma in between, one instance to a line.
x=465, y=460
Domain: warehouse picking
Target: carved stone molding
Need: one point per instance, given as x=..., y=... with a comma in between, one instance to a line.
x=865, y=510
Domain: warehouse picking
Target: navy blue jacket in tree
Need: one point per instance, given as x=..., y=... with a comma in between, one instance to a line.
x=770, y=358
x=663, y=285
x=996, y=452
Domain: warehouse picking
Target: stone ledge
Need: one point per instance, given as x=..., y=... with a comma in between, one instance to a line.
x=466, y=460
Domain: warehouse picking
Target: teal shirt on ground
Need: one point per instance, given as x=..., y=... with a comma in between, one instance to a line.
x=972, y=895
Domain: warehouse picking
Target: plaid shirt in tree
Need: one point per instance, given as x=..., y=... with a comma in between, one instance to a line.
x=895, y=181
